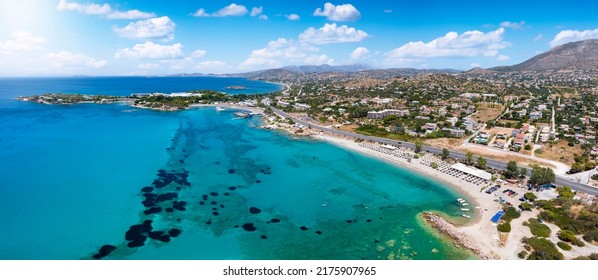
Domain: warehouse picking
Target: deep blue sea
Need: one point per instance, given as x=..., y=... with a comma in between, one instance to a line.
x=71, y=180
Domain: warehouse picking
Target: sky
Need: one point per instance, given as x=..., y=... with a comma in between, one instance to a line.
x=157, y=37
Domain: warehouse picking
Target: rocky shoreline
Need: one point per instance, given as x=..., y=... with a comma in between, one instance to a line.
x=459, y=239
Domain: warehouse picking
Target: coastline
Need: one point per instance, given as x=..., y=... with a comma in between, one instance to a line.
x=253, y=110
x=479, y=235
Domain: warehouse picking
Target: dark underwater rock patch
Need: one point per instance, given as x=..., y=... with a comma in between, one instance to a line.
x=368, y=221
x=231, y=171
x=249, y=227
x=147, y=189
x=232, y=188
x=137, y=234
x=153, y=210
x=179, y=205
x=214, y=194
x=275, y=220
x=214, y=202
x=204, y=197
x=167, y=196
x=155, y=234
x=264, y=237
x=104, y=251
x=174, y=232
x=255, y=210
x=202, y=203
x=169, y=210
x=257, y=181
x=304, y=228
x=318, y=232
x=215, y=213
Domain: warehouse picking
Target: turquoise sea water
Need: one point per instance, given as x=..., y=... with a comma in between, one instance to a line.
x=72, y=179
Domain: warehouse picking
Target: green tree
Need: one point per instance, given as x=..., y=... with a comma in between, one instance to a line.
x=512, y=171
x=527, y=147
x=565, y=192
x=504, y=227
x=530, y=196
x=526, y=206
x=522, y=172
x=469, y=158
x=445, y=153
x=434, y=165
x=481, y=163
x=418, y=146
x=542, y=176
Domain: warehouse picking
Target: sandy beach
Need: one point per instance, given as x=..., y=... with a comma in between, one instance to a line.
x=254, y=110
x=480, y=234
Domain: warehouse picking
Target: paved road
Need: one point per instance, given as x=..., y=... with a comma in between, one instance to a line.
x=496, y=164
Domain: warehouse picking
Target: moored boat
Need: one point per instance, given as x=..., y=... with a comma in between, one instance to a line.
x=464, y=209
x=241, y=114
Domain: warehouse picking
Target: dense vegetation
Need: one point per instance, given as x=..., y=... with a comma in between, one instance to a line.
x=504, y=227
x=510, y=214
x=543, y=249
x=538, y=229
x=181, y=102
x=541, y=176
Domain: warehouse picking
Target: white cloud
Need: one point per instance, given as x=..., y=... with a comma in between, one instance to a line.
x=475, y=65
x=210, y=65
x=567, y=36
x=282, y=51
x=345, y=12
x=230, y=10
x=263, y=17
x=468, y=44
x=388, y=11
x=331, y=33
x=161, y=28
x=293, y=17
x=198, y=53
x=538, y=37
x=360, y=53
x=148, y=66
x=502, y=57
x=255, y=11
x=22, y=41
x=513, y=25
x=201, y=13
x=103, y=10
x=151, y=50
x=67, y=59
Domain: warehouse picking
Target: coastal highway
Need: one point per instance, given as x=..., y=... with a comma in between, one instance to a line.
x=495, y=164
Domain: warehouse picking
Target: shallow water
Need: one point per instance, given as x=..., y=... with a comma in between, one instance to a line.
x=72, y=180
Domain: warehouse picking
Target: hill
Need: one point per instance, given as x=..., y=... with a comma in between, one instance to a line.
x=581, y=55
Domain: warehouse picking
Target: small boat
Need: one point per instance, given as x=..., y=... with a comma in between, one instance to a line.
x=464, y=209
x=460, y=200
x=465, y=216
x=324, y=204
x=241, y=114
x=464, y=204
x=220, y=109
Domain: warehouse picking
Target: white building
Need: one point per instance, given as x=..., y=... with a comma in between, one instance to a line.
x=535, y=115
x=387, y=112
x=301, y=106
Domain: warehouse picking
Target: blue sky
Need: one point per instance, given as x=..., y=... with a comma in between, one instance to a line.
x=141, y=37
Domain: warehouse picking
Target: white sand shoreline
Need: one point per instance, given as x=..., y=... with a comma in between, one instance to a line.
x=480, y=233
